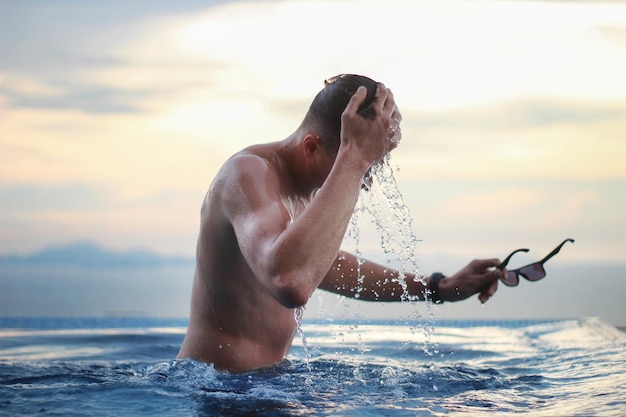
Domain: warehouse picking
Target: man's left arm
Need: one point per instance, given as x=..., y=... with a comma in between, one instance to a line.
x=370, y=281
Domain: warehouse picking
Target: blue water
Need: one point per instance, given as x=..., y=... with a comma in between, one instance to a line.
x=115, y=367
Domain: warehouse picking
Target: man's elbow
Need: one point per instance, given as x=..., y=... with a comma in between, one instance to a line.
x=290, y=294
x=292, y=298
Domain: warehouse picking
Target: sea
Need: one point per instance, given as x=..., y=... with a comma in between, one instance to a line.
x=119, y=366
x=119, y=360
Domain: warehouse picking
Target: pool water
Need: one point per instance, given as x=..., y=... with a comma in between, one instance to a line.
x=113, y=367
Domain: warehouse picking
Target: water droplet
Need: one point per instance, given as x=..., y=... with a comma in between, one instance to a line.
x=383, y=209
x=298, y=313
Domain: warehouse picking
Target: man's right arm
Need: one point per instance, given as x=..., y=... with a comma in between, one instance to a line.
x=292, y=258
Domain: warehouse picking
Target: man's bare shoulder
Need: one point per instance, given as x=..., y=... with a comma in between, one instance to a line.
x=247, y=179
x=249, y=161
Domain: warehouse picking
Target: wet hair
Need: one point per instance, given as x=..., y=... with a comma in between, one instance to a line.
x=324, y=115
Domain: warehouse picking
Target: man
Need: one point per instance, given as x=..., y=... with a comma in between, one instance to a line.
x=272, y=224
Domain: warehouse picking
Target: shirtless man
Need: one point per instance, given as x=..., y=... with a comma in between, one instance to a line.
x=272, y=224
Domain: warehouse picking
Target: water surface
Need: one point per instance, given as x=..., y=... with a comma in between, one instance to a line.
x=126, y=367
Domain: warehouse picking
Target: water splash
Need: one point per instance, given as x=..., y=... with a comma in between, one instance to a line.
x=297, y=314
x=383, y=205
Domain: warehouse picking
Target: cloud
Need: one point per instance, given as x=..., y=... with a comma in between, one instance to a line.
x=126, y=62
x=68, y=95
x=34, y=215
x=482, y=206
x=467, y=218
x=26, y=199
x=142, y=102
x=58, y=49
x=38, y=197
x=522, y=114
x=583, y=141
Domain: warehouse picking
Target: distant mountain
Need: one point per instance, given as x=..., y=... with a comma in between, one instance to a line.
x=90, y=254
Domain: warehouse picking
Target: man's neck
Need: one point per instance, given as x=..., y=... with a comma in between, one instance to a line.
x=291, y=164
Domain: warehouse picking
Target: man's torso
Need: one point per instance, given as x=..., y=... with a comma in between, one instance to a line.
x=235, y=323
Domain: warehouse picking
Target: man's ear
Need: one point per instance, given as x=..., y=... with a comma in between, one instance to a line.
x=311, y=144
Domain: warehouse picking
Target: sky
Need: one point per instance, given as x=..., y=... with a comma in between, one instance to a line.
x=115, y=116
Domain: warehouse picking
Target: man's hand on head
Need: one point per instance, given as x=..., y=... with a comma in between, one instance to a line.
x=365, y=138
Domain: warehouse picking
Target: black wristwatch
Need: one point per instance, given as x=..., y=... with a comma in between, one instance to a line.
x=433, y=287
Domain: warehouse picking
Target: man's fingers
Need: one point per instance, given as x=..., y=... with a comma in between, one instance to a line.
x=483, y=264
x=396, y=115
x=488, y=293
x=356, y=100
x=493, y=287
x=389, y=106
x=382, y=93
x=385, y=102
x=483, y=297
x=492, y=277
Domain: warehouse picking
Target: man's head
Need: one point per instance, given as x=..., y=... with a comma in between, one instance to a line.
x=324, y=115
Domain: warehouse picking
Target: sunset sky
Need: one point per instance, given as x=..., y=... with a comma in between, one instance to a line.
x=116, y=115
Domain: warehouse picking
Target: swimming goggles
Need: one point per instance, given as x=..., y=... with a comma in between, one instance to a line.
x=531, y=272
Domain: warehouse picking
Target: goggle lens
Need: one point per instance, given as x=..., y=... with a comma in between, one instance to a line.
x=511, y=279
x=533, y=272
